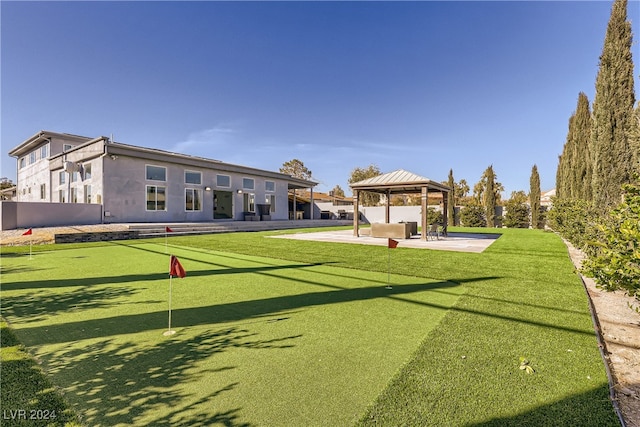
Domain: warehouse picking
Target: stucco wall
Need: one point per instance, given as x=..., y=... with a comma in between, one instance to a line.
x=29, y=179
x=373, y=214
x=124, y=188
x=36, y=214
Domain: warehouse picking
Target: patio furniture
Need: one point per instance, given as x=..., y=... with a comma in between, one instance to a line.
x=264, y=211
x=393, y=231
x=433, y=232
x=250, y=216
x=413, y=227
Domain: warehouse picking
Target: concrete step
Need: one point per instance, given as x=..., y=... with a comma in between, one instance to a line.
x=158, y=229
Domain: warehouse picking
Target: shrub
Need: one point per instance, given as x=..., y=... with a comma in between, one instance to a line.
x=434, y=217
x=473, y=216
x=574, y=220
x=517, y=215
x=615, y=255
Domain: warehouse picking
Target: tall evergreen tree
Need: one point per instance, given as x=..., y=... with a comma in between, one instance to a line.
x=569, y=165
x=564, y=188
x=490, y=196
x=559, y=182
x=534, y=197
x=451, y=200
x=635, y=141
x=613, y=125
x=581, y=172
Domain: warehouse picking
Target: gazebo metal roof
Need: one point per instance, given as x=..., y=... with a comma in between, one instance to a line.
x=398, y=182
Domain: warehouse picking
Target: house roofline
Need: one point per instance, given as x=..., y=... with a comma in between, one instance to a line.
x=41, y=136
x=118, y=148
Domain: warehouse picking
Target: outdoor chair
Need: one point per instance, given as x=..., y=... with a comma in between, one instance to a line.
x=433, y=232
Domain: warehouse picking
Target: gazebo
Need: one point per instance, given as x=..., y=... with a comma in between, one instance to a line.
x=399, y=182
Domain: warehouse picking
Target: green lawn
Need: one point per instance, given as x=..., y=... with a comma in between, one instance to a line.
x=289, y=333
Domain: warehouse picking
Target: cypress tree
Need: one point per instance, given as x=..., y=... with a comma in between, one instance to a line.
x=564, y=188
x=490, y=196
x=534, y=197
x=611, y=150
x=559, y=183
x=569, y=167
x=582, y=167
x=451, y=200
x=635, y=142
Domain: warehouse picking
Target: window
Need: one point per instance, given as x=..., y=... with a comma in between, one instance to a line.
x=62, y=196
x=270, y=186
x=248, y=183
x=156, y=173
x=87, y=170
x=32, y=157
x=62, y=177
x=74, y=176
x=43, y=191
x=271, y=200
x=67, y=147
x=192, y=177
x=87, y=194
x=44, y=151
x=156, y=198
x=192, y=199
x=248, y=202
x=23, y=162
x=74, y=195
x=223, y=181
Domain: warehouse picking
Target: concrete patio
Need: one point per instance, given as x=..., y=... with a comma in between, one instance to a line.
x=458, y=242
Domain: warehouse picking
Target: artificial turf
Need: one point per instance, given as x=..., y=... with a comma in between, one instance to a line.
x=310, y=335
x=259, y=341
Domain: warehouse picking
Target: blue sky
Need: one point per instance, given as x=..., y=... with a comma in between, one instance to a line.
x=422, y=86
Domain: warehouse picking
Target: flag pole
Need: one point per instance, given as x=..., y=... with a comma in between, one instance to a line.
x=388, y=268
x=169, y=332
x=175, y=269
x=165, y=240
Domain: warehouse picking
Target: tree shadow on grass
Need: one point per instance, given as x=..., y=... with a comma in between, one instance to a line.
x=220, y=313
x=122, y=383
x=125, y=278
x=38, y=305
x=590, y=409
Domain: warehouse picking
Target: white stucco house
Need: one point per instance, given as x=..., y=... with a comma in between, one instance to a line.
x=137, y=184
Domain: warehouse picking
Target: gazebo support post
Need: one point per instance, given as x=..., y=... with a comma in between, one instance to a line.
x=424, y=225
x=295, y=205
x=311, y=205
x=387, y=216
x=356, y=214
x=445, y=211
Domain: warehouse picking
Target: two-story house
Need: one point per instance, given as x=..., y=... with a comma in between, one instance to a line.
x=138, y=184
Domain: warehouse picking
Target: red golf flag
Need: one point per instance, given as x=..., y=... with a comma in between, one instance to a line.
x=29, y=232
x=176, y=268
x=168, y=230
x=393, y=244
